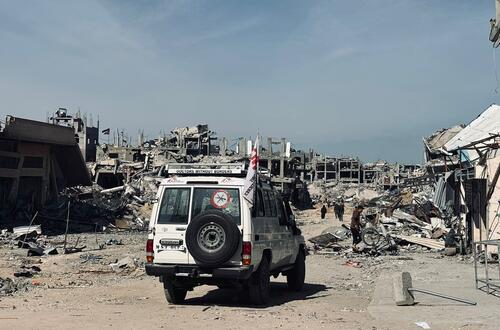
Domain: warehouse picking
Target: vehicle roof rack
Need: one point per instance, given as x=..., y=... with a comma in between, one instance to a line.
x=198, y=169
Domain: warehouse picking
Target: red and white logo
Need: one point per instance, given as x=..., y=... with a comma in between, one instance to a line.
x=220, y=199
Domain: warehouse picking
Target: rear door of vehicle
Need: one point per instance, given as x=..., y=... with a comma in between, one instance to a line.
x=225, y=199
x=171, y=223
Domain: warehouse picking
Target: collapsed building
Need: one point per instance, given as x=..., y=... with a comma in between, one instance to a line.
x=349, y=170
x=465, y=163
x=37, y=161
x=291, y=171
x=86, y=135
x=125, y=176
x=120, y=165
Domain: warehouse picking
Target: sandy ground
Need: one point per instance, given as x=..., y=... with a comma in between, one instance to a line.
x=70, y=292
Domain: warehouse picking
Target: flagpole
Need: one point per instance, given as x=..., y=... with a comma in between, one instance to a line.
x=257, y=179
x=258, y=154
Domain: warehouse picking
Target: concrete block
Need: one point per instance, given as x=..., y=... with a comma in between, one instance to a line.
x=402, y=296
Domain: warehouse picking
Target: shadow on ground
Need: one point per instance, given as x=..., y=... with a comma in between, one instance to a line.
x=280, y=294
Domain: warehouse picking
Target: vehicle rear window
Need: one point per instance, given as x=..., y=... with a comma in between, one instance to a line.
x=222, y=199
x=174, y=207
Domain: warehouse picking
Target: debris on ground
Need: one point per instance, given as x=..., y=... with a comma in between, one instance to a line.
x=91, y=258
x=9, y=286
x=26, y=271
x=125, y=264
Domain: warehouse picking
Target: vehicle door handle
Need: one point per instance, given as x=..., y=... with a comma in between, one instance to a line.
x=180, y=228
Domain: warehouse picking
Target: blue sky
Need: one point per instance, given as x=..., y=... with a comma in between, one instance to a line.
x=367, y=78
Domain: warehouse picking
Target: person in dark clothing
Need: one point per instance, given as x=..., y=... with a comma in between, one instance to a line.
x=336, y=210
x=356, y=226
x=341, y=210
x=323, y=211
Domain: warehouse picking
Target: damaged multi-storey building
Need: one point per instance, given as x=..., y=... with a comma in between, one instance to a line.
x=290, y=170
x=37, y=161
x=285, y=166
x=86, y=135
x=348, y=170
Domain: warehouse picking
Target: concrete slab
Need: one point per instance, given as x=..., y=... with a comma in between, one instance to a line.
x=452, y=278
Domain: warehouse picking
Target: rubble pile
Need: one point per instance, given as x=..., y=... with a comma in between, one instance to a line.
x=390, y=221
x=327, y=193
x=9, y=286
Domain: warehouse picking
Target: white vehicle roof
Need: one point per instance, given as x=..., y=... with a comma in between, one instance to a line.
x=200, y=180
x=215, y=169
x=204, y=173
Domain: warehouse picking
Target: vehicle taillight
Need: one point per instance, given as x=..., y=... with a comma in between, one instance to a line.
x=149, y=251
x=246, y=254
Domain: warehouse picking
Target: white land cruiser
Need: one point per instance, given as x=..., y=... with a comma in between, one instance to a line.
x=203, y=232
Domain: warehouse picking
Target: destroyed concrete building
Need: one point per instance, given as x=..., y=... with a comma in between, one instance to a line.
x=352, y=171
x=290, y=170
x=192, y=141
x=433, y=155
x=127, y=176
x=86, y=135
x=37, y=161
x=465, y=162
x=345, y=170
x=116, y=162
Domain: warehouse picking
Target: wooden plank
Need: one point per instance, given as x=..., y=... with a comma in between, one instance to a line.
x=427, y=242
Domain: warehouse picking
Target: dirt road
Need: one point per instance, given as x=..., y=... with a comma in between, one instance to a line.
x=84, y=293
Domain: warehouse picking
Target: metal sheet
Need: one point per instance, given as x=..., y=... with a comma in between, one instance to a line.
x=486, y=124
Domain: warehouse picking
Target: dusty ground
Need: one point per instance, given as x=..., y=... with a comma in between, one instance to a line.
x=75, y=291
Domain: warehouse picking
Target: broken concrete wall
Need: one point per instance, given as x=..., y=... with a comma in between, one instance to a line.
x=37, y=161
x=86, y=135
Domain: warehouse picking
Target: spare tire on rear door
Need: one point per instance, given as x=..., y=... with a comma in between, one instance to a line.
x=212, y=238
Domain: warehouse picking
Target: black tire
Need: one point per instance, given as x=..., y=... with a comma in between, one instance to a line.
x=174, y=294
x=371, y=237
x=258, y=290
x=295, y=277
x=214, y=252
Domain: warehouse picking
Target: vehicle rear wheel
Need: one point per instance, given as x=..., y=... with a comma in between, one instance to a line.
x=258, y=290
x=295, y=277
x=174, y=294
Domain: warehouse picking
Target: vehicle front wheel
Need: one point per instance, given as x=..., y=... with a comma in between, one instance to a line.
x=174, y=294
x=258, y=289
x=296, y=276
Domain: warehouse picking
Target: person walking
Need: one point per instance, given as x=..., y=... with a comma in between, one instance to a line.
x=336, y=209
x=323, y=212
x=341, y=211
x=356, y=227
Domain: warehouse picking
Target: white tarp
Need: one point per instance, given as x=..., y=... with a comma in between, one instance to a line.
x=486, y=124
